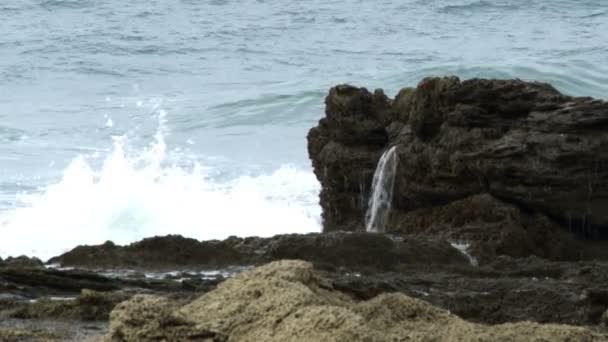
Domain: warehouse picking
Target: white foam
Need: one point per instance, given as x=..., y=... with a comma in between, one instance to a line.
x=136, y=195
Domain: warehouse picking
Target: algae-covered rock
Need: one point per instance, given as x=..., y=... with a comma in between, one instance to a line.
x=147, y=318
x=289, y=301
x=15, y=335
x=88, y=306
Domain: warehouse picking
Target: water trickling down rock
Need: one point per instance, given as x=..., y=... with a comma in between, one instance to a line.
x=381, y=196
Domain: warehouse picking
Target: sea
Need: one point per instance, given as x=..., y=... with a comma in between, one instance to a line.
x=121, y=120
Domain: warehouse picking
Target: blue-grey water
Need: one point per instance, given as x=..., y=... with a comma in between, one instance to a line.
x=124, y=119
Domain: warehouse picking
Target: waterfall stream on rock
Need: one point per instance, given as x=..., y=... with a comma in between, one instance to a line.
x=381, y=197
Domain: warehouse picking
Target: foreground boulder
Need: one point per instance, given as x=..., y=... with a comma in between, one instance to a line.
x=289, y=301
x=528, y=161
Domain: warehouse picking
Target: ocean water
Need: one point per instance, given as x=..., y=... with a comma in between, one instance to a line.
x=121, y=120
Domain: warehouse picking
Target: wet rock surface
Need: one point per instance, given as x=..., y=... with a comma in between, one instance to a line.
x=512, y=167
x=338, y=249
x=509, y=290
x=47, y=304
x=358, y=266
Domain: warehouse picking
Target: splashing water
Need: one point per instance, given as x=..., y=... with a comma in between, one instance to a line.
x=132, y=196
x=463, y=247
x=381, y=197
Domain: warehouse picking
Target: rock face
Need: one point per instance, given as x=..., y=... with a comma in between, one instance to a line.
x=289, y=301
x=511, y=165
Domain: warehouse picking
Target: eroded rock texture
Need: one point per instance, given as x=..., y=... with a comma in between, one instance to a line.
x=513, y=167
x=289, y=301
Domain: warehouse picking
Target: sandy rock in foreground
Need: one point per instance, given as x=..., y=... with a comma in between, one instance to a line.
x=288, y=301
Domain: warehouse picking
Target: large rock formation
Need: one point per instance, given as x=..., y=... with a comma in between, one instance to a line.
x=289, y=301
x=514, y=167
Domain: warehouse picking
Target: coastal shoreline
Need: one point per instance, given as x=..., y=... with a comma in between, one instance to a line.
x=496, y=230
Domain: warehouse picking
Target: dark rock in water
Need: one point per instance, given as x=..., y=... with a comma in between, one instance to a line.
x=22, y=261
x=523, y=161
x=344, y=149
x=354, y=250
x=156, y=252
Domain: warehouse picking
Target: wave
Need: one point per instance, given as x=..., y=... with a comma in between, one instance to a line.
x=129, y=196
x=71, y=4
x=576, y=78
x=10, y=134
x=478, y=6
x=302, y=108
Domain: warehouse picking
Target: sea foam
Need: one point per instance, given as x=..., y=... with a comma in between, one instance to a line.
x=129, y=196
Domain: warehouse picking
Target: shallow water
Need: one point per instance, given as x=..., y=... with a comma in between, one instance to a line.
x=120, y=120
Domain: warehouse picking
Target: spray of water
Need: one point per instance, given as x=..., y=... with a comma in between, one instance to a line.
x=141, y=194
x=463, y=247
x=381, y=197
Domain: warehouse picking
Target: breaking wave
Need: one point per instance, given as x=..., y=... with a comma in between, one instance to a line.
x=125, y=196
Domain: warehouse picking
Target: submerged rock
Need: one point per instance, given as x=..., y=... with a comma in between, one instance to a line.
x=506, y=164
x=289, y=301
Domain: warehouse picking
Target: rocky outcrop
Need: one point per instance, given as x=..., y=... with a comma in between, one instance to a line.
x=21, y=261
x=289, y=301
x=513, y=167
x=505, y=291
x=354, y=250
x=367, y=265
